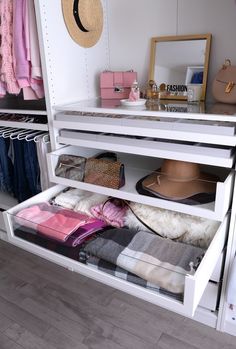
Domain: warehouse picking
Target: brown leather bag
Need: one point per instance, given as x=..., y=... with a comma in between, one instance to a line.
x=224, y=84
x=105, y=170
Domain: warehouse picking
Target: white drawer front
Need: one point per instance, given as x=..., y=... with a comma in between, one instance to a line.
x=216, y=275
x=137, y=167
x=2, y=223
x=195, y=285
x=210, y=296
x=167, y=127
x=193, y=152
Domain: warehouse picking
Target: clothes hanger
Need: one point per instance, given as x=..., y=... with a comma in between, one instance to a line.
x=4, y=129
x=7, y=133
x=15, y=134
x=22, y=135
x=46, y=139
x=31, y=136
x=38, y=137
x=44, y=136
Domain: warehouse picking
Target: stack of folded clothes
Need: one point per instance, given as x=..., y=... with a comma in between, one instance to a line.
x=58, y=224
x=94, y=233
x=160, y=263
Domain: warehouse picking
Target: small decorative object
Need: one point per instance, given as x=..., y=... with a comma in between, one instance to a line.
x=84, y=20
x=154, y=93
x=194, y=92
x=116, y=85
x=163, y=91
x=224, y=84
x=128, y=103
x=134, y=94
x=148, y=92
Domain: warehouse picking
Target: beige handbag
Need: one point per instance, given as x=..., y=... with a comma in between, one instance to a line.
x=224, y=84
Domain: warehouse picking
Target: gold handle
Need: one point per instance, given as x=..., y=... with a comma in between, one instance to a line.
x=229, y=87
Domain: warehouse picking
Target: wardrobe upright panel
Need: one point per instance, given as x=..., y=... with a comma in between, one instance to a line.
x=70, y=68
x=71, y=72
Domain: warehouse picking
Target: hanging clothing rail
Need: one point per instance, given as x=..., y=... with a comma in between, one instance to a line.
x=20, y=121
x=24, y=134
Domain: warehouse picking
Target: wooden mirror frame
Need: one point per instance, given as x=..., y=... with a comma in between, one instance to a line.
x=155, y=40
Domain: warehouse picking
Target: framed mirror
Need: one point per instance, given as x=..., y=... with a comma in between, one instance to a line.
x=178, y=61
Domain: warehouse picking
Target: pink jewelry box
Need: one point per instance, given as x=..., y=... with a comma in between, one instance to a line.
x=116, y=85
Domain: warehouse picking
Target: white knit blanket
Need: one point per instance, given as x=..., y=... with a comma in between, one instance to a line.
x=174, y=225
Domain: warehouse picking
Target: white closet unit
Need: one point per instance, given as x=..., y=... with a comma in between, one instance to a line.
x=84, y=128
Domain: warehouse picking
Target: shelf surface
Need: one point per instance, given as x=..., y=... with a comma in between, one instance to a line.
x=12, y=104
x=165, y=109
x=194, y=152
x=24, y=125
x=136, y=168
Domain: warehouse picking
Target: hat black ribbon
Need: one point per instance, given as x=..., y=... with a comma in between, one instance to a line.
x=76, y=17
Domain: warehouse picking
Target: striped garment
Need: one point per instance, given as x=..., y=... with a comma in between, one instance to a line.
x=112, y=269
x=160, y=261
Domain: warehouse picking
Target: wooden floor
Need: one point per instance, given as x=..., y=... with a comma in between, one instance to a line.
x=43, y=306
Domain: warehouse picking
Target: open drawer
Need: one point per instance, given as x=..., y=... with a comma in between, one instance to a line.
x=136, y=168
x=194, y=283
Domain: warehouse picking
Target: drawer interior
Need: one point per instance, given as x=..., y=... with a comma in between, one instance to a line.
x=190, y=283
x=136, y=168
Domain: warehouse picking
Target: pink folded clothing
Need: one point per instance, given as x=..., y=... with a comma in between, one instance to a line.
x=84, y=233
x=111, y=213
x=55, y=222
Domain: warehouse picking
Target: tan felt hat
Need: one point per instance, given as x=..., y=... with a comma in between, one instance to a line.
x=84, y=20
x=180, y=180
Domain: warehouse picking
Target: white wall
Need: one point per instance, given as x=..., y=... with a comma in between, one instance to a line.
x=132, y=23
x=213, y=16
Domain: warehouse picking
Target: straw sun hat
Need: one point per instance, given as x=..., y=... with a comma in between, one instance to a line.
x=84, y=20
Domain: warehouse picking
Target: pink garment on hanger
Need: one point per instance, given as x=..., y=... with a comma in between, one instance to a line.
x=8, y=78
x=26, y=32
x=34, y=91
x=36, y=71
x=22, y=65
x=35, y=88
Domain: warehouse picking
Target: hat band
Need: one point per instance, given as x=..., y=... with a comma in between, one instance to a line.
x=175, y=179
x=76, y=17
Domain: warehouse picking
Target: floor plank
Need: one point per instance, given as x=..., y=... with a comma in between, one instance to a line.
x=169, y=342
x=43, y=305
x=7, y=343
x=26, y=339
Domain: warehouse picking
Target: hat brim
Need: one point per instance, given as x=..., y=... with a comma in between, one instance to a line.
x=177, y=190
x=83, y=38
